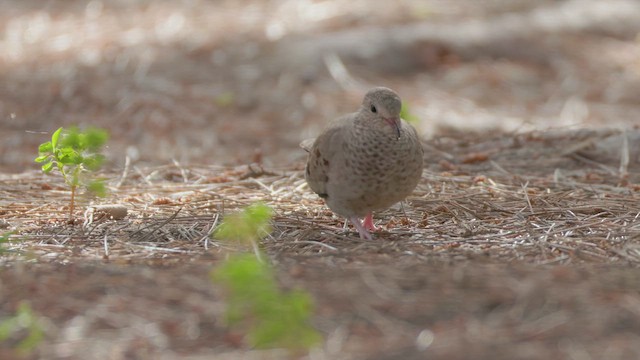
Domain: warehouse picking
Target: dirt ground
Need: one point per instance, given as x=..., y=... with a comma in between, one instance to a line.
x=522, y=241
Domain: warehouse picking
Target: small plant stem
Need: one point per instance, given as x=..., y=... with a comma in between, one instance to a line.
x=256, y=251
x=72, y=204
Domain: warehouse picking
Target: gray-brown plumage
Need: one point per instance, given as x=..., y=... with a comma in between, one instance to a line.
x=365, y=161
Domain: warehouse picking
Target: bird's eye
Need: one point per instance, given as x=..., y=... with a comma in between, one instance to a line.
x=373, y=109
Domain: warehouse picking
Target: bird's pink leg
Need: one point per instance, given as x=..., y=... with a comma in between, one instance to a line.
x=368, y=223
x=364, y=234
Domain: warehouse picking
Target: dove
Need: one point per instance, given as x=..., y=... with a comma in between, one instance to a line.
x=365, y=161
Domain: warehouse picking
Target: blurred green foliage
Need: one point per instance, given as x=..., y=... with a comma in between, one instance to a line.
x=270, y=317
x=225, y=99
x=23, y=325
x=4, y=238
x=274, y=318
x=247, y=226
x=407, y=115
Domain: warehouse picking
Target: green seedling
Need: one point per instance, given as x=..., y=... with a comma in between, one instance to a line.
x=24, y=324
x=76, y=155
x=247, y=227
x=270, y=317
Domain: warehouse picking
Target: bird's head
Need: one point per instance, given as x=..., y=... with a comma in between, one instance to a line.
x=382, y=108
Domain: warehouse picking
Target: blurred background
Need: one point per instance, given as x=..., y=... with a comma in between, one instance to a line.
x=241, y=81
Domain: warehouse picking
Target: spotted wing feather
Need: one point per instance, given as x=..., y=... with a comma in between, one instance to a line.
x=321, y=154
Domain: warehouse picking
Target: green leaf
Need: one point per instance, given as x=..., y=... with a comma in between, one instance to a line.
x=75, y=154
x=285, y=323
x=246, y=226
x=95, y=139
x=45, y=148
x=47, y=167
x=72, y=139
x=93, y=162
x=54, y=138
x=242, y=270
x=41, y=158
x=68, y=156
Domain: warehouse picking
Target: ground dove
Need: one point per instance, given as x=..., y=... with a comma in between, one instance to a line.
x=365, y=161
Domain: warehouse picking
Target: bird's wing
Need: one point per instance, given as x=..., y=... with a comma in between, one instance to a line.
x=306, y=144
x=321, y=157
x=408, y=127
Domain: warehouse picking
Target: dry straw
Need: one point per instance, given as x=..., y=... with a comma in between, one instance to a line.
x=578, y=212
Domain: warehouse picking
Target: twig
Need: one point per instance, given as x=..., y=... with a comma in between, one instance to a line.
x=340, y=73
x=106, y=246
x=317, y=243
x=125, y=171
x=183, y=172
x=155, y=226
x=210, y=232
x=624, y=156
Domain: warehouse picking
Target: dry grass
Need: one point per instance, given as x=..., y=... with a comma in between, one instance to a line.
x=462, y=213
x=478, y=262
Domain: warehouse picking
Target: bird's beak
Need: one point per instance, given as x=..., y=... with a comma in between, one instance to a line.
x=395, y=124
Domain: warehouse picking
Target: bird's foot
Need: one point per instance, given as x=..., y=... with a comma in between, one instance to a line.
x=368, y=223
x=364, y=234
